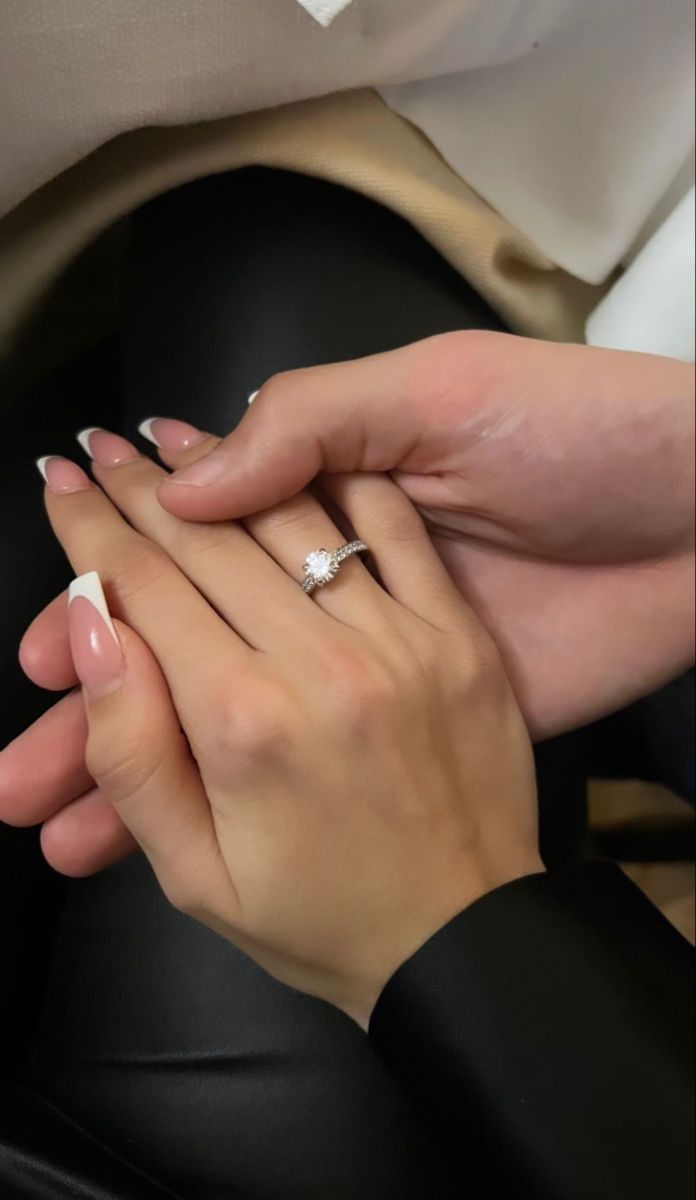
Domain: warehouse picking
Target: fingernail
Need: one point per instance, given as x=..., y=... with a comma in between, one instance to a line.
x=107, y=449
x=96, y=650
x=61, y=475
x=169, y=434
x=252, y=397
x=201, y=473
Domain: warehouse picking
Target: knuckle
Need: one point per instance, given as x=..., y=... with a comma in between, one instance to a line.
x=137, y=567
x=361, y=685
x=439, y=364
x=281, y=386
x=255, y=723
x=458, y=344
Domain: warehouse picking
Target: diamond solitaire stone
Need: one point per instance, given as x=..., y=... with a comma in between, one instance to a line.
x=320, y=567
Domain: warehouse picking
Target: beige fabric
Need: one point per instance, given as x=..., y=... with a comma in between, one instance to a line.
x=570, y=117
x=352, y=139
x=630, y=805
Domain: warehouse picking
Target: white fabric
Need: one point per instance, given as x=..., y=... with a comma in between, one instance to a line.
x=324, y=11
x=576, y=137
x=573, y=118
x=651, y=307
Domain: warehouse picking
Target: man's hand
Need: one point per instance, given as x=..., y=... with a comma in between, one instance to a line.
x=556, y=481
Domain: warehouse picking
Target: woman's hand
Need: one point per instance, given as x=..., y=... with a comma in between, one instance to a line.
x=354, y=769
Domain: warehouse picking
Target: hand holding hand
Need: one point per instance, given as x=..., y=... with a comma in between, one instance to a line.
x=354, y=769
x=556, y=482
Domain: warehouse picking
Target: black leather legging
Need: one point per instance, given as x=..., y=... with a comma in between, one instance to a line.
x=142, y=1055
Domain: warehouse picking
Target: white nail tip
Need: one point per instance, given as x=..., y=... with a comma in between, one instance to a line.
x=145, y=429
x=83, y=438
x=90, y=587
x=252, y=397
x=41, y=465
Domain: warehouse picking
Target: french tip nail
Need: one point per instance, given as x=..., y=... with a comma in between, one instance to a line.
x=84, y=435
x=252, y=397
x=89, y=585
x=145, y=430
x=40, y=464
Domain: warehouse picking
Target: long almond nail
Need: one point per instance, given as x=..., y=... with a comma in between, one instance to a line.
x=107, y=449
x=169, y=434
x=96, y=649
x=61, y=475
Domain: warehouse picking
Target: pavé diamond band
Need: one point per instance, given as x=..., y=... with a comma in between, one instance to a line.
x=321, y=566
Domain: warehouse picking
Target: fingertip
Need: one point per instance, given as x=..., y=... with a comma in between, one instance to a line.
x=48, y=665
x=31, y=655
x=44, y=768
x=44, y=651
x=85, y=837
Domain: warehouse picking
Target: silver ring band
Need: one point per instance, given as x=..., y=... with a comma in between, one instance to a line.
x=321, y=566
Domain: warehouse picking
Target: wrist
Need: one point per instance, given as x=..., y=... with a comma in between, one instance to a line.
x=360, y=996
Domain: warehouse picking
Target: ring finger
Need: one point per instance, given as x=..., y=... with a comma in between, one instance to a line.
x=237, y=568
x=222, y=560
x=289, y=532
x=374, y=509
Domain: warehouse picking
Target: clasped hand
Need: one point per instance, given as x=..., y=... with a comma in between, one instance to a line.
x=353, y=770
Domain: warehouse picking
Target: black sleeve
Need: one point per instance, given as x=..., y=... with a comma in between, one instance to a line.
x=548, y=1031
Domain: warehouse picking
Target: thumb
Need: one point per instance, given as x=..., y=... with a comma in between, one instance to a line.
x=363, y=415
x=136, y=753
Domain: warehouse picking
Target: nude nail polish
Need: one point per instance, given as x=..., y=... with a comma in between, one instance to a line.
x=61, y=475
x=170, y=434
x=105, y=448
x=96, y=649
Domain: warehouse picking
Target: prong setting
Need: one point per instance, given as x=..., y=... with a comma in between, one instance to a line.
x=321, y=566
